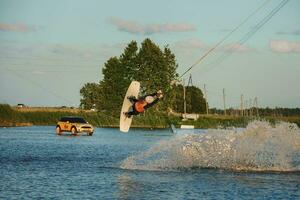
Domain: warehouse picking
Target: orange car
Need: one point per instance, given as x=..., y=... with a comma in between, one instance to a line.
x=74, y=125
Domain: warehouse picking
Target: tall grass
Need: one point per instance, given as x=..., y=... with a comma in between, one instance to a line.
x=50, y=117
x=150, y=119
x=8, y=114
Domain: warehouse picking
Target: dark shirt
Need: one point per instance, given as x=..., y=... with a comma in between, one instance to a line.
x=148, y=105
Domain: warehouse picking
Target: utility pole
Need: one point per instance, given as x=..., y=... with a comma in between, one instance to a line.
x=184, y=101
x=190, y=81
x=250, y=107
x=246, y=108
x=242, y=105
x=205, y=94
x=224, y=103
x=256, y=106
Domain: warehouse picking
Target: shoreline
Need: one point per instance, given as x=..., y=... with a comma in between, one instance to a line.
x=26, y=124
x=15, y=124
x=42, y=116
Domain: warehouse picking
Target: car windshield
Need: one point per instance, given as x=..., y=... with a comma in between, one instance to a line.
x=73, y=120
x=77, y=120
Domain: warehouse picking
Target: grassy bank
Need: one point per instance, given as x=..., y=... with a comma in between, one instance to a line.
x=49, y=116
x=43, y=116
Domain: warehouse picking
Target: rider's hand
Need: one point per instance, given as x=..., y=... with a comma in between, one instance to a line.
x=159, y=94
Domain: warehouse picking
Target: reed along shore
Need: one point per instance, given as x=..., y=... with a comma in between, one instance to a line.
x=29, y=116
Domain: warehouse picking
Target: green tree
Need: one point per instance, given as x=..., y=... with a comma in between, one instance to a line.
x=170, y=76
x=90, y=95
x=128, y=61
x=118, y=73
x=170, y=73
x=154, y=68
x=195, y=102
x=177, y=98
x=150, y=66
x=112, y=85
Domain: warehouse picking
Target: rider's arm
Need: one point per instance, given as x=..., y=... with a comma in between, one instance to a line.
x=151, y=104
x=153, y=95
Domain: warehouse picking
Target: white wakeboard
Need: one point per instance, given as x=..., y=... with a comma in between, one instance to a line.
x=133, y=90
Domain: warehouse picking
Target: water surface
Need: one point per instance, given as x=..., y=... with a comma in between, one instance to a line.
x=35, y=163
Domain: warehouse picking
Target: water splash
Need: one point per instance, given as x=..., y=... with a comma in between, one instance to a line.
x=258, y=147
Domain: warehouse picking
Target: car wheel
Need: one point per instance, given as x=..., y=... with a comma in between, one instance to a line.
x=90, y=134
x=73, y=131
x=58, y=130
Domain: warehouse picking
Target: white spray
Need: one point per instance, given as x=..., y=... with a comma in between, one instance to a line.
x=258, y=147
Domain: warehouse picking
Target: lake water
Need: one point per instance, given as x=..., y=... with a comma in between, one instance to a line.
x=259, y=162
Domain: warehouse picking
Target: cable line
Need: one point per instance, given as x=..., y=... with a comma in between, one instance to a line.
x=263, y=22
x=250, y=33
x=229, y=34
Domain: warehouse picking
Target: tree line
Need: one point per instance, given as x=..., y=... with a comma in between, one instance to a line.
x=262, y=112
x=154, y=68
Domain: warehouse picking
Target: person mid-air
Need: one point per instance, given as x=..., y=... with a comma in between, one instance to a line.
x=142, y=103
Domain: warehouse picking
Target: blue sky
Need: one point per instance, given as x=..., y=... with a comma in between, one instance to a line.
x=50, y=49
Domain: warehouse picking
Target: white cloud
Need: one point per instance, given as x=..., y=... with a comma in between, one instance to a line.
x=19, y=27
x=36, y=72
x=284, y=46
x=70, y=51
x=190, y=44
x=137, y=28
x=235, y=47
